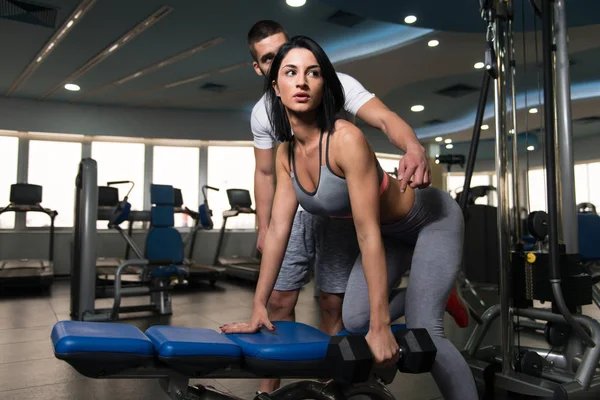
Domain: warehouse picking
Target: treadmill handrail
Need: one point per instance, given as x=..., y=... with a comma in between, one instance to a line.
x=29, y=208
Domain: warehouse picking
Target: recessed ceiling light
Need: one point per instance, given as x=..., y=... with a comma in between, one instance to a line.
x=438, y=139
x=449, y=146
x=295, y=3
x=485, y=127
x=417, y=108
x=72, y=87
x=433, y=43
x=448, y=141
x=410, y=19
x=533, y=111
x=530, y=148
x=479, y=65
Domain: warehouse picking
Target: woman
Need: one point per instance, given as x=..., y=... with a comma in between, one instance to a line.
x=328, y=167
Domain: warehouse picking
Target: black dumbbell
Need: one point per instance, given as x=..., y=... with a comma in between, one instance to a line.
x=349, y=358
x=417, y=351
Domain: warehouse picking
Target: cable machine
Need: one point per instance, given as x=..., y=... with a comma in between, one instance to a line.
x=551, y=272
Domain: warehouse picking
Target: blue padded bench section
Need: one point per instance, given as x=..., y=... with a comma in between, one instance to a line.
x=193, y=351
x=174, y=341
x=99, y=349
x=291, y=341
x=71, y=337
x=589, y=236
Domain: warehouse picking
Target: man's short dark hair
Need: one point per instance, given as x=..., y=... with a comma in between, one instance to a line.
x=261, y=30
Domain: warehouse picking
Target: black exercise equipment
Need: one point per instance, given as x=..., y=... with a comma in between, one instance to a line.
x=244, y=267
x=202, y=220
x=24, y=198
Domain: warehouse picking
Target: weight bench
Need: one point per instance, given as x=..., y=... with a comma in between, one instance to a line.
x=174, y=355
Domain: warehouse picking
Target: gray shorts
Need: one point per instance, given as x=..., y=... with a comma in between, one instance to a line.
x=330, y=243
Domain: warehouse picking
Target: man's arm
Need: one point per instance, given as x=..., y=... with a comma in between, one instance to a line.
x=284, y=209
x=414, y=164
x=356, y=160
x=264, y=189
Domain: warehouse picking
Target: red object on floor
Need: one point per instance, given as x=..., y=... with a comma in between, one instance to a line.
x=457, y=308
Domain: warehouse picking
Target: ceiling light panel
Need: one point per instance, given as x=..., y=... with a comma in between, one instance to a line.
x=113, y=48
x=51, y=45
x=154, y=67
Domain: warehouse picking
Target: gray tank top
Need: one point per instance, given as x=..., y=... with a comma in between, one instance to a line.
x=331, y=197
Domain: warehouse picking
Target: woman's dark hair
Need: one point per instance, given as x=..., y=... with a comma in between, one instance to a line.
x=332, y=100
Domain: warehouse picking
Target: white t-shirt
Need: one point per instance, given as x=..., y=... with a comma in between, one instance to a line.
x=355, y=97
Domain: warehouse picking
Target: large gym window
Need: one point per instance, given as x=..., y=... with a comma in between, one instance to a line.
x=121, y=162
x=53, y=165
x=456, y=181
x=179, y=167
x=537, y=190
x=9, y=150
x=389, y=165
x=230, y=167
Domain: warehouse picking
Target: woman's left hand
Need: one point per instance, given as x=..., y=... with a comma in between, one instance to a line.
x=384, y=346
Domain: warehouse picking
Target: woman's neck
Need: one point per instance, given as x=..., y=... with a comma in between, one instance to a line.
x=305, y=128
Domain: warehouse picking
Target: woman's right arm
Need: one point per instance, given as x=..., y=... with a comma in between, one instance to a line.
x=284, y=209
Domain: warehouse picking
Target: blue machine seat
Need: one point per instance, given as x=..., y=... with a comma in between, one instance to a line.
x=290, y=341
x=70, y=337
x=589, y=237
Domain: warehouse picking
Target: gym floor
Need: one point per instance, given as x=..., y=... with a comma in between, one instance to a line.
x=29, y=370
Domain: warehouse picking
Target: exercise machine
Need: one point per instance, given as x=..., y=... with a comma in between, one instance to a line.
x=23, y=272
x=244, y=267
x=174, y=355
x=202, y=221
x=161, y=263
x=552, y=272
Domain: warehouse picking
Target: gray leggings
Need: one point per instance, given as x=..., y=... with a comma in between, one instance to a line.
x=429, y=241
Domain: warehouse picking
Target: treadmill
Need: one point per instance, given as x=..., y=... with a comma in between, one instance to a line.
x=202, y=220
x=243, y=267
x=108, y=200
x=28, y=272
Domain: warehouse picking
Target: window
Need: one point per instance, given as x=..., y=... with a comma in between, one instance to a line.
x=121, y=162
x=594, y=195
x=9, y=151
x=581, y=183
x=537, y=190
x=230, y=167
x=179, y=167
x=389, y=165
x=53, y=165
x=455, y=183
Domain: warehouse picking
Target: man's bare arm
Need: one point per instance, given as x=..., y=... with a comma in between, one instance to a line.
x=414, y=164
x=264, y=189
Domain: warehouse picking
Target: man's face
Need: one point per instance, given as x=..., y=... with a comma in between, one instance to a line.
x=265, y=52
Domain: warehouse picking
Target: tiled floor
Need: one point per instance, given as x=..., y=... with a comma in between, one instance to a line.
x=29, y=370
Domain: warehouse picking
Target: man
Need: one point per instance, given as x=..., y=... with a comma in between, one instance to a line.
x=332, y=241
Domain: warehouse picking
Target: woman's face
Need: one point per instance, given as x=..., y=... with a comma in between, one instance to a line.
x=299, y=82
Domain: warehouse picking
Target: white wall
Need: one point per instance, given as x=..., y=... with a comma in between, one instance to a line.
x=55, y=117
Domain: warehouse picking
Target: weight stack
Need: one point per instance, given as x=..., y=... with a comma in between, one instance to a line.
x=531, y=280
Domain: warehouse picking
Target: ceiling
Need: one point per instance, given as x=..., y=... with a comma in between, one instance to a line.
x=372, y=43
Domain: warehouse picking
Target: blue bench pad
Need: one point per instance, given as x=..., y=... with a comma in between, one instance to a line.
x=71, y=337
x=177, y=341
x=290, y=341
